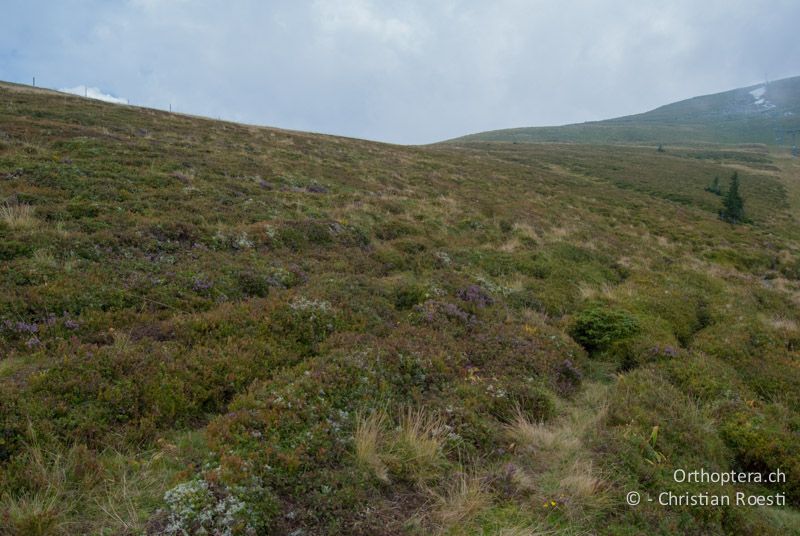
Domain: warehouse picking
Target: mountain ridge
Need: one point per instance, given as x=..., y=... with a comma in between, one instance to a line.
x=751, y=114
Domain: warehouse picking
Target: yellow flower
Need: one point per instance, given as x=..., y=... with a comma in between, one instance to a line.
x=530, y=330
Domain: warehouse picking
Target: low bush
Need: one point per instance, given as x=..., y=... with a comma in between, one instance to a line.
x=763, y=441
x=407, y=296
x=599, y=327
x=303, y=323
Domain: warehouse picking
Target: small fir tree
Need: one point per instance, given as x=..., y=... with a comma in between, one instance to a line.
x=733, y=204
x=715, y=187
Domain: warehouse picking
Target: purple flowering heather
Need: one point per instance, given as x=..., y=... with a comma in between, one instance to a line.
x=201, y=285
x=25, y=327
x=475, y=294
x=667, y=351
x=316, y=189
x=431, y=310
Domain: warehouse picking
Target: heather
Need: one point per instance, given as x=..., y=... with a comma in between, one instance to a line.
x=214, y=327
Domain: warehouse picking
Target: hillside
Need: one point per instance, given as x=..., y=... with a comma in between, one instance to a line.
x=213, y=327
x=744, y=115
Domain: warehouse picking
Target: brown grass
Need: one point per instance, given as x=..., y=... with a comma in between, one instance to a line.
x=369, y=430
x=540, y=438
x=580, y=482
x=17, y=216
x=422, y=434
x=465, y=497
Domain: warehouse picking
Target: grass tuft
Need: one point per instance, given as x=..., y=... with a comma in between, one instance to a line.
x=464, y=498
x=368, y=439
x=17, y=216
x=540, y=438
x=417, y=450
x=38, y=514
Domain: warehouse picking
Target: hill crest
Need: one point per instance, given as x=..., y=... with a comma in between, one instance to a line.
x=758, y=113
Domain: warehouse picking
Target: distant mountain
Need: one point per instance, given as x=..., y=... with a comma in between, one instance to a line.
x=754, y=114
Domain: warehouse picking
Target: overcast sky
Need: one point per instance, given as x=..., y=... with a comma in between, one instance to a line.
x=408, y=71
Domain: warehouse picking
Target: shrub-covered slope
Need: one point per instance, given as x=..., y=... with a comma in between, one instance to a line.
x=212, y=327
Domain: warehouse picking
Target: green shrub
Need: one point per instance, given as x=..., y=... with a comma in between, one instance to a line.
x=82, y=209
x=514, y=396
x=407, y=296
x=253, y=284
x=10, y=249
x=303, y=324
x=704, y=377
x=393, y=229
x=763, y=441
x=298, y=235
x=599, y=327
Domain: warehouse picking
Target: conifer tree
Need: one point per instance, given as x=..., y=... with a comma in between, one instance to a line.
x=715, y=187
x=733, y=204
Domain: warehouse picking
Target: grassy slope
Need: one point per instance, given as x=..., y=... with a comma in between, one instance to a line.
x=301, y=331
x=728, y=117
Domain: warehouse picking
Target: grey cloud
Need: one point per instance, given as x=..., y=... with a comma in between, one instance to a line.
x=409, y=72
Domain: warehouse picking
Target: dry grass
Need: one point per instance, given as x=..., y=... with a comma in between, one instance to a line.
x=540, y=438
x=510, y=246
x=526, y=230
x=38, y=514
x=521, y=479
x=583, y=493
x=44, y=258
x=413, y=451
x=80, y=491
x=465, y=497
x=587, y=291
x=119, y=502
x=45, y=506
x=791, y=288
x=368, y=439
x=553, y=461
x=782, y=323
x=450, y=207
x=580, y=482
x=17, y=216
x=422, y=435
x=560, y=233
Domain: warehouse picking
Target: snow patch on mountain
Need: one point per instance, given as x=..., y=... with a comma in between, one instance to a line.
x=759, y=100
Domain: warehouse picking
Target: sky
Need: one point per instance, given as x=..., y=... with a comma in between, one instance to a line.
x=409, y=71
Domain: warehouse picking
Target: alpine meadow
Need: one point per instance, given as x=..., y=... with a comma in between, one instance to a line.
x=221, y=329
